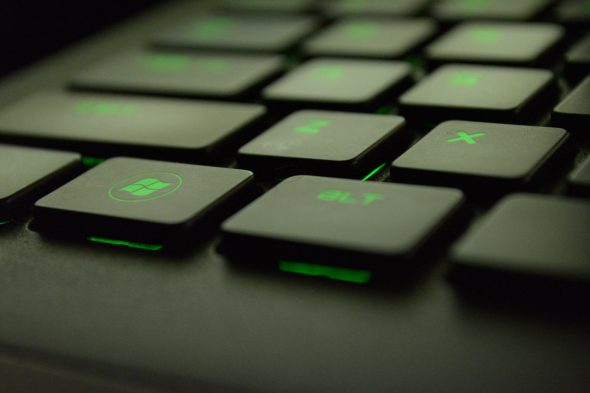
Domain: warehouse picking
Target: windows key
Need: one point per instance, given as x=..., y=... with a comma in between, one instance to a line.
x=142, y=201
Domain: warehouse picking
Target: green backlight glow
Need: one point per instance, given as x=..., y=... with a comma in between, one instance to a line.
x=347, y=198
x=213, y=27
x=104, y=108
x=329, y=72
x=124, y=243
x=145, y=187
x=4, y=222
x=334, y=273
x=373, y=172
x=362, y=31
x=487, y=36
x=91, y=161
x=312, y=126
x=465, y=79
x=173, y=63
x=468, y=138
x=475, y=5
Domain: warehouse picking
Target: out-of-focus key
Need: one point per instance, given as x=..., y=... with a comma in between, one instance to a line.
x=26, y=173
x=573, y=112
x=142, y=200
x=577, y=60
x=337, y=221
x=325, y=143
x=198, y=75
x=107, y=125
x=382, y=8
x=259, y=6
x=260, y=33
x=497, y=43
x=579, y=180
x=371, y=38
x=339, y=84
x=575, y=14
x=483, y=158
x=527, y=239
x=482, y=93
x=460, y=10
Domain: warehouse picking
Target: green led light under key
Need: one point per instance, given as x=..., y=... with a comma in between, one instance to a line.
x=332, y=272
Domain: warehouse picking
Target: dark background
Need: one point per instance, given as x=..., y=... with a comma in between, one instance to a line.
x=31, y=30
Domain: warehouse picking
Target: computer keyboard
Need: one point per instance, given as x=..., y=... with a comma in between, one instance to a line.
x=302, y=196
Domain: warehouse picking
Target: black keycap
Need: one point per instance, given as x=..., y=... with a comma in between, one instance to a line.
x=249, y=33
x=579, y=180
x=326, y=220
x=483, y=158
x=459, y=10
x=257, y=6
x=371, y=38
x=208, y=75
x=384, y=8
x=26, y=173
x=106, y=125
x=339, y=84
x=141, y=200
x=485, y=93
x=573, y=13
x=497, y=43
x=527, y=239
x=573, y=113
x=577, y=60
x=324, y=143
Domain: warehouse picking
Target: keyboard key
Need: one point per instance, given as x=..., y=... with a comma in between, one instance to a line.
x=459, y=10
x=141, y=200
x=579, y=180
x=534, y=239
x=573, y=13
x=261, y=33
x=483, y=158
x=105, y=125
x=266, y=5
x=577, y=60
x=371, y=38
x=339, y=84
x=324, y=143
x=336, y=221
x=198, y=75
x=384, y=8
x=497, y=43
x=27, y=173
x=484, y=93
x=573, y=113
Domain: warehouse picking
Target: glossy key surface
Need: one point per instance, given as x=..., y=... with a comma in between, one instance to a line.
x=484, y=158
x=459, y=10
x=574, y=111
x=189, y=74
x=496, y=43
x=233, y=32
x=527, y=238
x=339, y=84
x=144, y=200
x=324, y=143
x=483, y=93
x=25, y=173
x=107, y=125
x=317, y=219
x=364, y=37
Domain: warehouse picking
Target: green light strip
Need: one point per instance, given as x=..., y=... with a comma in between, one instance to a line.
x=4, y=222
x=124, y=243
x=373, y=172
x=334, y=273
x=91, y=161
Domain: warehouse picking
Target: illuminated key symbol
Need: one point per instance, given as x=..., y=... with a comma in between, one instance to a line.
x=465, y=79
x=145, y=187
x=168, y=63
x=312, y=126
x=362, y=31
x=487, y=36
x=466, y=137
x=346, y=197
x=213, y=27
x=329, y=72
